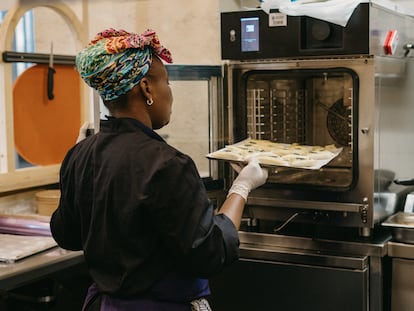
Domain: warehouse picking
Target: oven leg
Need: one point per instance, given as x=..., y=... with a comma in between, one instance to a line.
x=365, y=232
x=376, y=284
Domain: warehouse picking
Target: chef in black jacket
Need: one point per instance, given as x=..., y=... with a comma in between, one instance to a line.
x=135, y=205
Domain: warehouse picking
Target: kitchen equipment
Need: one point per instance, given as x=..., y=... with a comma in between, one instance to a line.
x=289, y=84
x=47, y=201
x=409, y=203
x=402, y=225
x=44, y=129
x=402, y=257
x=401, y=252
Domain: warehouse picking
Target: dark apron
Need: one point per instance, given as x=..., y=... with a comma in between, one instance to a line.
x=170, y=294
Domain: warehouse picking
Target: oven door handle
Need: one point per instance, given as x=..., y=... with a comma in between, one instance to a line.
x=319, y=205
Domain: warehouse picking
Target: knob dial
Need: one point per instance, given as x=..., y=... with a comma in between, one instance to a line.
x=321, y=30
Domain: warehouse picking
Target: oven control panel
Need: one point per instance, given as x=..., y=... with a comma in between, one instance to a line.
x=255, y=34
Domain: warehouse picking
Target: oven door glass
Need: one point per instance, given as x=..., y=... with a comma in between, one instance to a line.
x=194, y=127
x=309, y=107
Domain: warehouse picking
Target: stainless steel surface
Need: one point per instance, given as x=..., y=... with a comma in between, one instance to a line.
x=257, y=199
x=37, y=267
x=336, y=187
x=378, y=298
x=402, y=225
x=360, y=101
x=400, y=220
x=402, y=283
x=347, y=100
x=400, y=250
x=351, y=254
x=354, y=247
x=278, y=107
x=402, y=298
x=252, y=284
x=409, y=203
x=308, y=257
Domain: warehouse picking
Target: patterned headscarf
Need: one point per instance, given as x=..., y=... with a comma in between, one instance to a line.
x=115, y=60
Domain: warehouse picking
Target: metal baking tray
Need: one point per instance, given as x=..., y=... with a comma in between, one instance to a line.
x=402, y=225
x=260, y=148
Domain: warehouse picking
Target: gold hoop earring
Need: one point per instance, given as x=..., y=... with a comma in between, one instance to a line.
x=150, y=101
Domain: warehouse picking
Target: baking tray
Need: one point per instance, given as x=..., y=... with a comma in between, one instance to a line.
x=16, y=247
x=268, y=153
x=402, y=225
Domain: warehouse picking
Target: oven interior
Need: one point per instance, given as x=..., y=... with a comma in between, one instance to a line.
x=307, y=107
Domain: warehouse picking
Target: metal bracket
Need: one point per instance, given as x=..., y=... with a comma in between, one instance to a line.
x=37, y=58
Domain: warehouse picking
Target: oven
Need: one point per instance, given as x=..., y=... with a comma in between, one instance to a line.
x=311, y=239
x=311, y=82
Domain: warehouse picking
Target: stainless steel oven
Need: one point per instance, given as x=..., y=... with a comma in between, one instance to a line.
x=315, y=83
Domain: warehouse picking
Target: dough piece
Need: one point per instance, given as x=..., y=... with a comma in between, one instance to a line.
x=320, y=155
x=294, y=157
x=299, y=160
x=282, y=151
x=228, y=154
x=331, y=148
x=303, y=163
x=271, y=160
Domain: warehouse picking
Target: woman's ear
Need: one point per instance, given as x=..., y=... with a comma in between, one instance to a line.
x=145, y=86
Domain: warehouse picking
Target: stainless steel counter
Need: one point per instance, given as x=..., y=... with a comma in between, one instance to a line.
x=344, y=273
x=402, y=255
x=401, y=250
x=374, y=246
x=355, y=264
x=36, y=267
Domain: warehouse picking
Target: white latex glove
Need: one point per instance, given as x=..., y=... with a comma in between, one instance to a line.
x=250, y=177
x=82, y=132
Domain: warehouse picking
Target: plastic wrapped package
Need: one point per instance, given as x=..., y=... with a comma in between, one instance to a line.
x=333, y=11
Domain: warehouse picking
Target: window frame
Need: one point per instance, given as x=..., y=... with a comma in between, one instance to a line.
x=12, y=178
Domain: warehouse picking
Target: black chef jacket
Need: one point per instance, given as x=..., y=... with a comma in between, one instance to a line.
x=139, y=210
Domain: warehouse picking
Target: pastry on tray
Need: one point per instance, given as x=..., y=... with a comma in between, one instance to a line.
x=270, y=153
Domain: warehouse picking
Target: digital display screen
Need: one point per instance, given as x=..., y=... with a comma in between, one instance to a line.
x=249, y=34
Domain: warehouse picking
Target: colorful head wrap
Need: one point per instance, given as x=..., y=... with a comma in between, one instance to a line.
x=115, y=60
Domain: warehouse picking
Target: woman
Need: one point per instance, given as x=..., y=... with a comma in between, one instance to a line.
x=135, y=205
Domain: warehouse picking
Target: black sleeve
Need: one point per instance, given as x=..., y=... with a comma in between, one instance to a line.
x=203, y=242
x=65, y=222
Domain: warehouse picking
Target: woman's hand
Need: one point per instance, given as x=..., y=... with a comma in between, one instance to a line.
x=250, y=177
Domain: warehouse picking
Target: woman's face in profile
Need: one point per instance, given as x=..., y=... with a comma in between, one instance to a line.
x=160, y=110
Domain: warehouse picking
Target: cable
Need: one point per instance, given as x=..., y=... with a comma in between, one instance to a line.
x=286, y=222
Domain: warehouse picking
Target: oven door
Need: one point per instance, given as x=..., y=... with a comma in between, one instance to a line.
x=197, y=122
x=293, y=282
x=316, y=107
x=311, y=102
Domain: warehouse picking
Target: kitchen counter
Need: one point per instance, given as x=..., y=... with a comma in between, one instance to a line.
x=356, y=263
x=36, y=267
x=273, y=268
x=13, y=275
x=375, y=246
x=401, y=250
x=402, y=255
